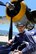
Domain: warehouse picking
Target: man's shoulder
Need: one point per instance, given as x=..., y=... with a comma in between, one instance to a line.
x=27, y=33
x=17, y=35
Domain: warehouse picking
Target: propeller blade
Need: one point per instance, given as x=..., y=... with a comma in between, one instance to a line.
x=2, y=4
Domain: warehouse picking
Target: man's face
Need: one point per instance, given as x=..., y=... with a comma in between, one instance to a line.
x=21, y=28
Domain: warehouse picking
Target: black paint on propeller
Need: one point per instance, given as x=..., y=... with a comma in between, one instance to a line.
x=1, y=3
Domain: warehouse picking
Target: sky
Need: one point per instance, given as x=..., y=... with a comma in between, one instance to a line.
x=30, y=3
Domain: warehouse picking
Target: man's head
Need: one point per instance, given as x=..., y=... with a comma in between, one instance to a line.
x=20, y=27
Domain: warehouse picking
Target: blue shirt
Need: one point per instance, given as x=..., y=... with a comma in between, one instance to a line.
x=21, y=37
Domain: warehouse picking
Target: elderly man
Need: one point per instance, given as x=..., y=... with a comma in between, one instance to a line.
x=20, y=38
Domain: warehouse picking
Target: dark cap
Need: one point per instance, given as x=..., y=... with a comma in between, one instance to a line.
x=20, y=24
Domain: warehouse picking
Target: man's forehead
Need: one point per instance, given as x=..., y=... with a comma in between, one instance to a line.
x=21, y=26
